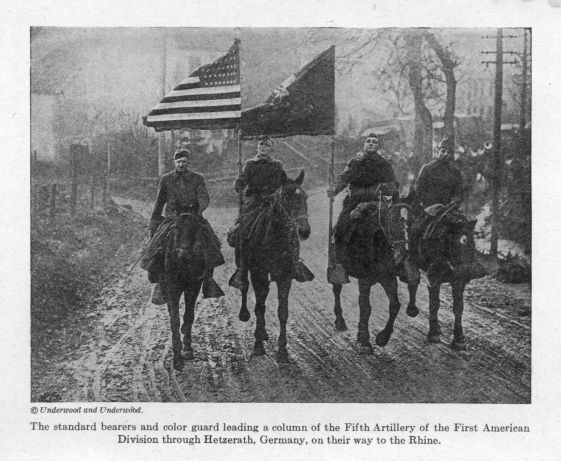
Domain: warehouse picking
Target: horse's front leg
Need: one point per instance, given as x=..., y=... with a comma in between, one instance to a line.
x=339, y=320
x=283, y=287
x=390, y=287
x=260, y=283
x=173, y=296
x=459, y=341
x=244, y=312
x=412, y=309
x=363, y=336
x=190, y=296
x=434, y=305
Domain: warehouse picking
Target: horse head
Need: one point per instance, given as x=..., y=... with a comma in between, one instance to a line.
x=186, y=252
x=461, y=244
x=454, y=248
x=295, y=201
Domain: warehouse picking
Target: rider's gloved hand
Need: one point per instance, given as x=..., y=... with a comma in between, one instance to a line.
x=330, y=192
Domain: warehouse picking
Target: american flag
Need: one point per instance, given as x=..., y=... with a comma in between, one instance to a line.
x=210, y=98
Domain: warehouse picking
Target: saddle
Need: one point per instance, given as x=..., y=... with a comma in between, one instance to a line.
x=436, y=214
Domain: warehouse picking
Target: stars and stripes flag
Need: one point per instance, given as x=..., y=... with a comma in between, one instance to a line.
x=210, y=98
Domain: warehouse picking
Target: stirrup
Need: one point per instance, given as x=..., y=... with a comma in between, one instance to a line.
x=237, y=280
x=303, y=273
x=158, y=297
x=211, y=289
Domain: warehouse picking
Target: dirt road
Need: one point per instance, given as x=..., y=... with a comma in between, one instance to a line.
x=124, y=354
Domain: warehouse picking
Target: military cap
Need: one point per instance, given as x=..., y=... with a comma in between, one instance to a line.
x=447, y=144
x=181, y=153
x=265, y=140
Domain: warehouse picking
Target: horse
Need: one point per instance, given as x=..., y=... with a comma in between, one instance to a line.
x=446, y=253
x=271, y=252
x=185, y=267
x=374, y=237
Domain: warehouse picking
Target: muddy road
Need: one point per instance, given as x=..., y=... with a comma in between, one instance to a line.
x=124, y=352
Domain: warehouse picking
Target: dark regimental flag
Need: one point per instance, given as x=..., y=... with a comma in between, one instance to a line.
x=210, y=98
x=303, y=104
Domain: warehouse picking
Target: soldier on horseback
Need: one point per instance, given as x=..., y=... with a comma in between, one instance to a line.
x=368, y=176
x=442, y=240
x=273, y=218
x=181, y=191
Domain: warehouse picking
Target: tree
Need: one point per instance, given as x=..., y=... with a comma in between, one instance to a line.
x=448, y=64
x=423, y=117
x=415, y=69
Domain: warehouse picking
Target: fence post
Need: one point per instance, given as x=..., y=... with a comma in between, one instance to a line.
x=92, y=192
x=74, y=176
x=52, y=205
x=107, y=173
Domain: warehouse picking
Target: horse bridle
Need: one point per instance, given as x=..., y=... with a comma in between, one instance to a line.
x=390, y=241
x=298, y=191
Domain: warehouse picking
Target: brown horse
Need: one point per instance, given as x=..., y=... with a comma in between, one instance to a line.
x=186, y=266
x=446, y=253
x=375, y=235
x=273, y=252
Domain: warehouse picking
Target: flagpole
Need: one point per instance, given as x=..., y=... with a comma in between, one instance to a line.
x=331, y=200
x=240, y=193
x=336, y=273
x=240, y=206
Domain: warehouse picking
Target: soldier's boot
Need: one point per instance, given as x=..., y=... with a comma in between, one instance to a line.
x=158, y=295
x=211, y=289
x=239, y=279
x=336, y=273
x=303, y=273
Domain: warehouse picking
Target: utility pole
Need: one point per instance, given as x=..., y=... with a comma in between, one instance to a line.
x=497, y=164
x=522, y=129
x=497, y=121
x=162, y=137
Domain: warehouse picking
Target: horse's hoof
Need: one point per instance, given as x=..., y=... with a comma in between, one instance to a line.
x=258, y=350
x=340, y=325
x=366, y=349
x=282, y=356
x=412, y=311
x=363, y=338
x=178, y=363
x=383, y=338
x=458, y=345
x=434, y=338
x=244, y=315
x=188, y=354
